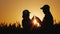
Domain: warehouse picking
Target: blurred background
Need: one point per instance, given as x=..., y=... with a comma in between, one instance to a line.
x=11, y=10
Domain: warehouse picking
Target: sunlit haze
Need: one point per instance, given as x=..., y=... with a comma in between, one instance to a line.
x=35, y=22
x=11, y=10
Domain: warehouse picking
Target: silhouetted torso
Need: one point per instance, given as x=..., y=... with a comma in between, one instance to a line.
x=26, y=23
x=48, y=20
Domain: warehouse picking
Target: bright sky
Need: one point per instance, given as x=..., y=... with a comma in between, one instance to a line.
x=11, y=10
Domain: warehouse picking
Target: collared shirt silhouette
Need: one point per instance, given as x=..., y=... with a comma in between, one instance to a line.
x=26, y=20
x=48, y=19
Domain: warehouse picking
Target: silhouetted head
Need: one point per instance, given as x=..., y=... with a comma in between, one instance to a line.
x=46, y=8
x=26, y=13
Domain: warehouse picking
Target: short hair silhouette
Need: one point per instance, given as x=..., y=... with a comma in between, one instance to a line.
x=26, y=14
x=48, y=19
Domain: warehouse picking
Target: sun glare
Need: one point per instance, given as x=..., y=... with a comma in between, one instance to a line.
x=35, y=22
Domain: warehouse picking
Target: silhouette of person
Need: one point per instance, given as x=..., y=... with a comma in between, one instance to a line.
x=48, y=19
x=26, y=21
